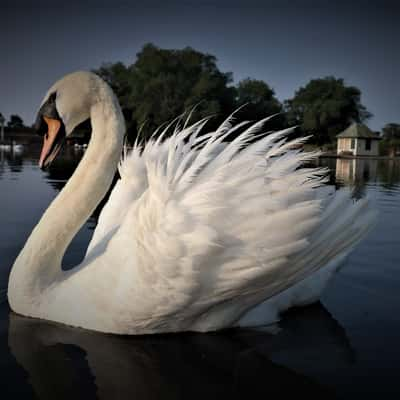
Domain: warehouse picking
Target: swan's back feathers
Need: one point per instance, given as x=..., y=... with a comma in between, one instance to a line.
x=125, y=192
x=205, y=230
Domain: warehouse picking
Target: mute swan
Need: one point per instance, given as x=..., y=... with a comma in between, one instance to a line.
x=17, y=148
x=196, y=235
x=5, y=147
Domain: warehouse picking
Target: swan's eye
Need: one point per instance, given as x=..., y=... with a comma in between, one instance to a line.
x=48, y=110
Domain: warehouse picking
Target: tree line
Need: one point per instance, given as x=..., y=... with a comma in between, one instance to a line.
x=14, y=122
x=391, y=143
x=163, y=83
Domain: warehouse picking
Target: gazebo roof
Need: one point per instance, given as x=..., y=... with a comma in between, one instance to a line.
x=358, y=131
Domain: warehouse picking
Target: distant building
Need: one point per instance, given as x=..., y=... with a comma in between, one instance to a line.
x=358, y=140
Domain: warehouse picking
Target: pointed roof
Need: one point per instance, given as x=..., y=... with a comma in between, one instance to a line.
x=358, y=131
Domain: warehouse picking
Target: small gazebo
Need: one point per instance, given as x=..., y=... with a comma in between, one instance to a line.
x=358, y=140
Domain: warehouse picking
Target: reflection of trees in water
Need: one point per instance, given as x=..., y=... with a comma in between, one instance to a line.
x=2, y=166
x=14, y=160
x=63, y=168
x=389, y=173
x=64, y=362
x=357, y=172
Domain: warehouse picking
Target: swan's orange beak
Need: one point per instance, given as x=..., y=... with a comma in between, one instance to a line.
x=51, y=144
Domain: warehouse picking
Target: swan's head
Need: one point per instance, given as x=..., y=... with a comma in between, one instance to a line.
x=67, y=104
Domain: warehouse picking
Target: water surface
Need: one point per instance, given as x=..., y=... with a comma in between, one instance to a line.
x=344, y=347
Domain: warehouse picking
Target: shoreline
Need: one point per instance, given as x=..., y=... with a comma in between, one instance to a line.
x=349, y=157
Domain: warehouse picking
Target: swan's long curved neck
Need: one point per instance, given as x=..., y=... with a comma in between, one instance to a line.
x=39, y=264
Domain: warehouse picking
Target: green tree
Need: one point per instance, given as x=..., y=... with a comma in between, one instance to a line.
x=325, y=107
x=15, y=122
x=168, y=82
x=118, y=76
x=391, y=131
x=391, y=138
x=163, y=83
x=261, y=101
x=2, y=120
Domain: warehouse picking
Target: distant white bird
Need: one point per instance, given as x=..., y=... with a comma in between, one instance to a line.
x=17, y=148
x=80, y=146
x=5, y=146
x=197, y=234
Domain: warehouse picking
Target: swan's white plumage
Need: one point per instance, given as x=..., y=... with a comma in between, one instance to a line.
x=197, y=233
x=207, y=229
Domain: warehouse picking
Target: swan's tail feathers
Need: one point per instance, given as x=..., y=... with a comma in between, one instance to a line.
x=217, y=227
x=344, y=222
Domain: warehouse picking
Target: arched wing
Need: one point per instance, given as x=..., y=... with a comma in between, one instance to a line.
x=221, y=227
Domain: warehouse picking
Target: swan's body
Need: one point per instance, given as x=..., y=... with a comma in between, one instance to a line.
x=196, y=234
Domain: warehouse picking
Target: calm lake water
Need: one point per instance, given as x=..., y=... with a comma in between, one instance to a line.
x=347, y=346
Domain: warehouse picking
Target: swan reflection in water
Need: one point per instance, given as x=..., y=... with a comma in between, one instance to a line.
x=64, y=362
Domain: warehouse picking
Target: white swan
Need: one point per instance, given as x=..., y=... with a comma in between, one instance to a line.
x=5, y=147
x=17, y=148
x=196, y=235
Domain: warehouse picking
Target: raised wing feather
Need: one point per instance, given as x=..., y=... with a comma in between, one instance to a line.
x=217, y=228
